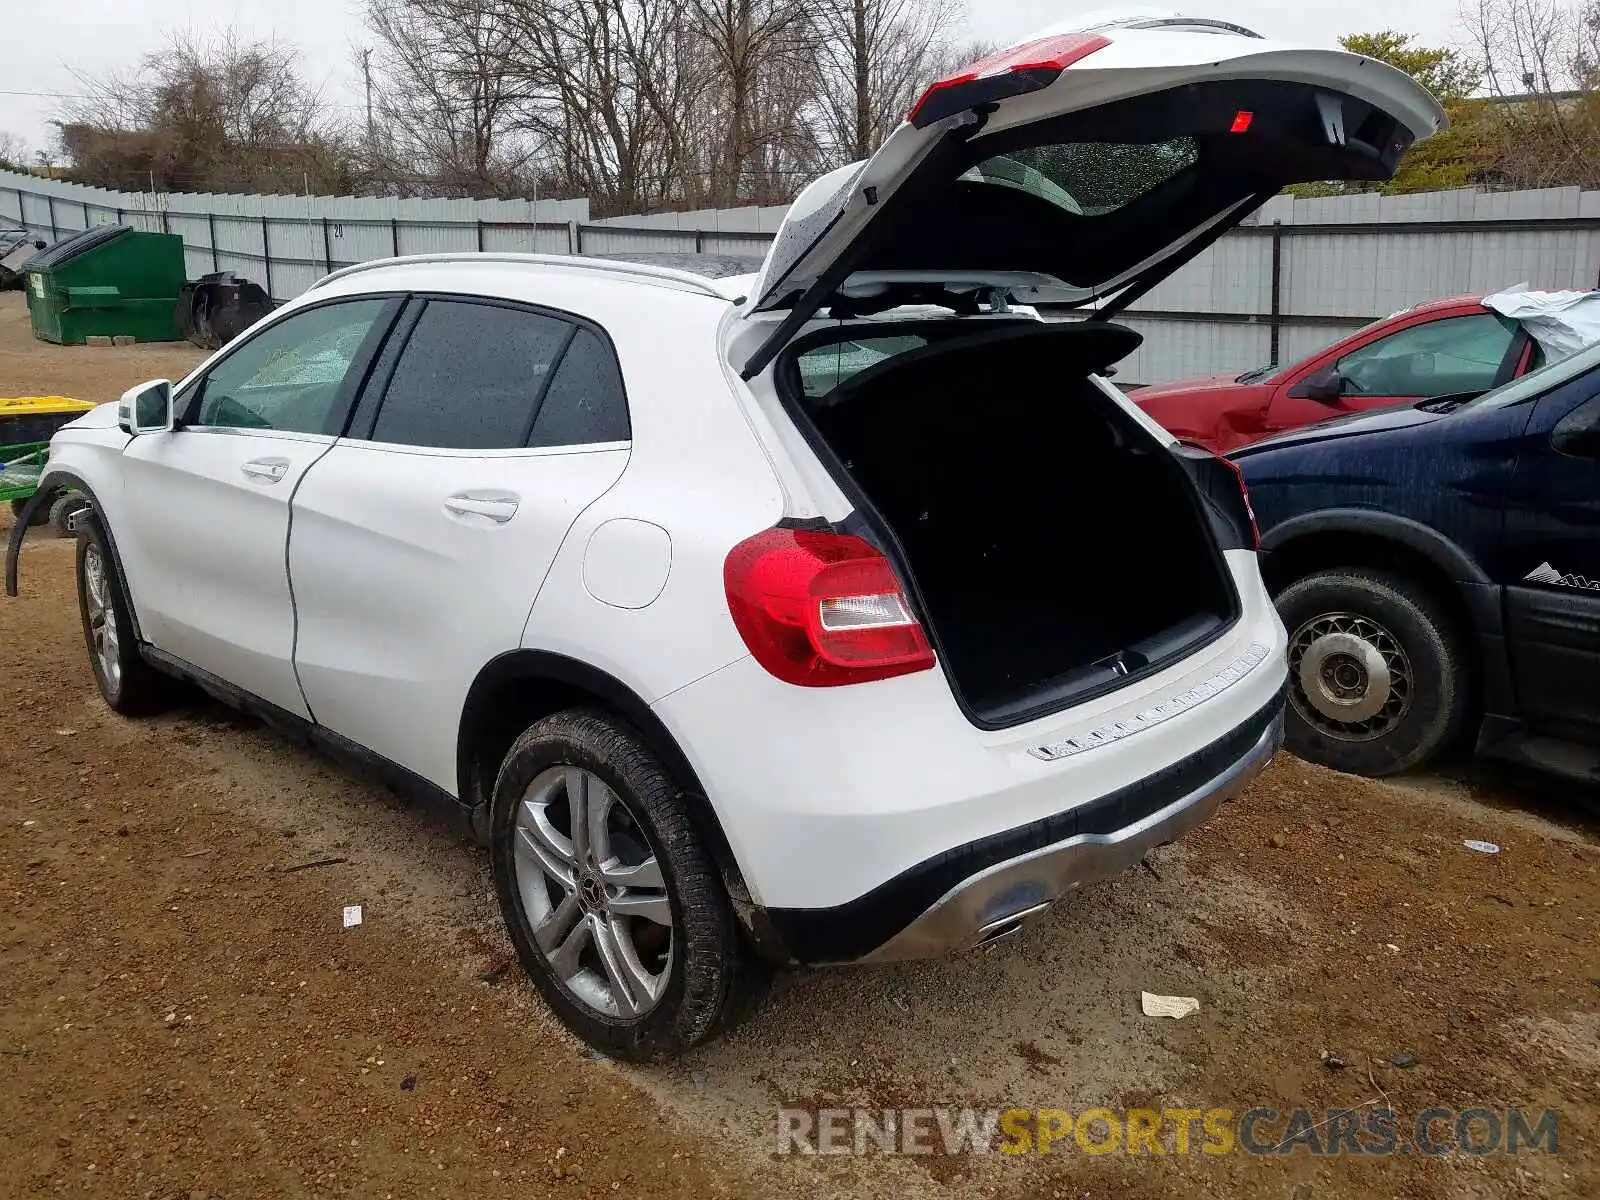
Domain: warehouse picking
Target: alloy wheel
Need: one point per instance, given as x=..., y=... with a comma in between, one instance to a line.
x=593, y=893
x=102, y=617
x=1352, y=680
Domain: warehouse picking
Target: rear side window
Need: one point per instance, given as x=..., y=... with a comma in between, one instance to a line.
x=470, y=377
x=585, y=403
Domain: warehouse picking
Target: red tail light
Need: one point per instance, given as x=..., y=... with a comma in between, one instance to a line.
x=1013, y=72
x=1244, y=494
x=820, y=609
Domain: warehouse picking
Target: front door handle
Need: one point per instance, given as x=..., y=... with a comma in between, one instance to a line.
x=497, y=508
x=268, y=470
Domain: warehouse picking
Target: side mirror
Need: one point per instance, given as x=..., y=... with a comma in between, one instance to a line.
x=40, y=244
x=1578, y=435
x=1325, y=386
x=146, y=408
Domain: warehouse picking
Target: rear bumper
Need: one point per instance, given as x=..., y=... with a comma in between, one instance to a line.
x=979, y=892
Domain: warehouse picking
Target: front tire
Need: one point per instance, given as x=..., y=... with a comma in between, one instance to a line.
x=616, y=911
x=128, y=684
x=1378, y=672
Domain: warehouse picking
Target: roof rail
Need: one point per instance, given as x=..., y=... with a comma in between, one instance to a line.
x=600, y=265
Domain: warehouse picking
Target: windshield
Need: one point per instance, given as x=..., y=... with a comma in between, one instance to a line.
x=1535, y=382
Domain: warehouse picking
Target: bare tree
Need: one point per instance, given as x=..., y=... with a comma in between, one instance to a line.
x=13, y=152
x=1541, y=64
x=448, y=112
x=754, y=49
x=645, y=104
x=874, y=59
x=205, y=115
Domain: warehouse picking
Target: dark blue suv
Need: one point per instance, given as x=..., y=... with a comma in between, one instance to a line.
x=1438, y=568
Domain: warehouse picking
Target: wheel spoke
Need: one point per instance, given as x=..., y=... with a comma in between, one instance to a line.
x=633, y=987
x=553, y=852
x=652, y=907
x=645, y=875
x=576, y=782
x=555, y=929
x=565, y=958
x=94, y=582
x=598, y=819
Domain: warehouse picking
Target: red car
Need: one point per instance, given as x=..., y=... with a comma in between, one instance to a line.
x=1440, y=348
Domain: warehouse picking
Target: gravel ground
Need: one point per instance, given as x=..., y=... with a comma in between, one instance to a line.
x=185, y=1015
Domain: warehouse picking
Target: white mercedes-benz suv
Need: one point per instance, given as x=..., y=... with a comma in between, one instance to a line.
x=854, y=620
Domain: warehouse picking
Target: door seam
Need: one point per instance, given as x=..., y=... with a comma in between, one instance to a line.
x=288, y=571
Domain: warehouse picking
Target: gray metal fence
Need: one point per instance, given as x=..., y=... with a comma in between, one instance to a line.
x=1299, y=275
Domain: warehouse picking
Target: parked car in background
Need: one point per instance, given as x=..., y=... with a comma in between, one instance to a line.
x=709, y=618
x=1441, y=348
x=1437, y=566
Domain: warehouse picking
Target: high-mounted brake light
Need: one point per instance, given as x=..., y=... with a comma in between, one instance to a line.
x=1241, y=121
x=1017, y=71
x=820, y=609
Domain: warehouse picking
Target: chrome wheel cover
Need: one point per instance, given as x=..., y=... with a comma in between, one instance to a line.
x=1351, y=677
x=102, y=617
x=593, y=893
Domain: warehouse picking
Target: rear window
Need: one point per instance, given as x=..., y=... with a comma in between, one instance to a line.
x=470, y=377
x=1088, y=179
x=585, y=404
x=824, y=368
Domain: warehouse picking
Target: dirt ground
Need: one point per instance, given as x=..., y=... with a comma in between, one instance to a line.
x=185, y=1015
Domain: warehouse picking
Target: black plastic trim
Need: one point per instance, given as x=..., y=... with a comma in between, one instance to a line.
x=307, y=733
x=852, y=930
x=55, y=480
x=543, y=666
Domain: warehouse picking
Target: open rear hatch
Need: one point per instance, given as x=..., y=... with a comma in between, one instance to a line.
x=1082, y=166
x=1055, y=546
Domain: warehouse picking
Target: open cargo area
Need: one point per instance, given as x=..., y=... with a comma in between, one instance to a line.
x=987, y=458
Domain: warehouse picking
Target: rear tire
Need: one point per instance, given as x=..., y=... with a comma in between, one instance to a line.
x=1378, y=672
x=127, y=683
x=620, y=919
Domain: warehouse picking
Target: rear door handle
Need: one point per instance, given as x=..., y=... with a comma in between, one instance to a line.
x=268, y=470
x=498, y=509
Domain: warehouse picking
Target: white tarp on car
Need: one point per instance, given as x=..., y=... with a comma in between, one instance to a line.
x=1561, y=322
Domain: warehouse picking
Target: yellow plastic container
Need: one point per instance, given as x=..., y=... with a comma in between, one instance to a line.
x=36, y=418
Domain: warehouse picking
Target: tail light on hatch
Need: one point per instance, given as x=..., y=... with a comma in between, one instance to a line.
x=822, y=609
x=1015, y=71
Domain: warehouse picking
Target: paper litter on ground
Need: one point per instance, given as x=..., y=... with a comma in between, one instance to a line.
x=1176, y=1007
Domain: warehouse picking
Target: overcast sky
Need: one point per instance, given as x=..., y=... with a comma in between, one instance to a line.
x=100, y=35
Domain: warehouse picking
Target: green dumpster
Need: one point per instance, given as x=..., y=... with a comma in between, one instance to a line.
x=108, y=281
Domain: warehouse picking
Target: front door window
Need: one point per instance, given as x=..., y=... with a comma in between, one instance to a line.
x=1440, y=358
